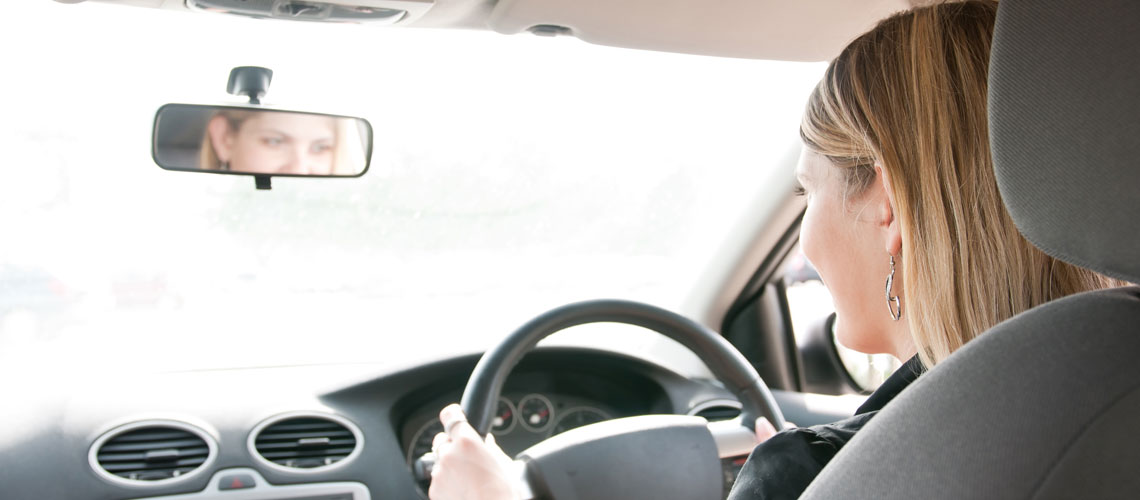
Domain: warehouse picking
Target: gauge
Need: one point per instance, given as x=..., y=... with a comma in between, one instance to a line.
x=579, y=417
x=421, y=440
x=504, y=419
x=536, y=413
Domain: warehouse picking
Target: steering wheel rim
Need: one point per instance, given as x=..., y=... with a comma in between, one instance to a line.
x=723, y=360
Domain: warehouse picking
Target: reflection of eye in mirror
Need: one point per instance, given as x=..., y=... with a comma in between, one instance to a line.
x=255, y=141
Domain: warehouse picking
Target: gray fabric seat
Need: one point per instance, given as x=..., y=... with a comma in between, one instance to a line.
x=1046, y=404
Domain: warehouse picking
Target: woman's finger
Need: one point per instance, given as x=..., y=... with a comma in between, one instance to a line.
x=468, y=464
x=763, y=429
x=450, y=416
x=438, y=441
x=455, y=424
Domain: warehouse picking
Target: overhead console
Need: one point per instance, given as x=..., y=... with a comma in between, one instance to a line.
x=336, y=11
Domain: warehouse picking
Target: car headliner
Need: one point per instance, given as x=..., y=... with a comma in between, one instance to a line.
x=758, y=29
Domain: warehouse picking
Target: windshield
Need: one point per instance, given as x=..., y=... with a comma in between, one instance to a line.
x=510, y=174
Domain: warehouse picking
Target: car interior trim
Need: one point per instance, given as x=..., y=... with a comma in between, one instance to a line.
x=262, y=490
x=698, y=408
x=732, y=438
x=748, y=248
x=765, y=272
x=745, y=28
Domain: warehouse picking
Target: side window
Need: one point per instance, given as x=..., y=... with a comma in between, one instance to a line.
x=810, y=305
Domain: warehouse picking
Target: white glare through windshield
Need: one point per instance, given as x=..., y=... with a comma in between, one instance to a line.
x=510, y=175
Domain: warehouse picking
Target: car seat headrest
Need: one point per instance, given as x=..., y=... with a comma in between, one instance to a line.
x=1064, y=105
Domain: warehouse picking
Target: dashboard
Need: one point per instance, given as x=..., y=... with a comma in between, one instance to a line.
x=328, y=432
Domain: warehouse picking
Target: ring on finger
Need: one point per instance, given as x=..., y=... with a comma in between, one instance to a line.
x=451, y=426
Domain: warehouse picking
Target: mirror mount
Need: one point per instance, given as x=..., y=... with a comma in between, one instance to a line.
x=251, y=81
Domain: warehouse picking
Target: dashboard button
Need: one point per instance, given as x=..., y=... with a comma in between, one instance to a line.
x=236, y=482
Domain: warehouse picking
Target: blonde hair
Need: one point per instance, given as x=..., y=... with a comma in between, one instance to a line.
x=349, y=153
x=207, y=155
x=910, y=96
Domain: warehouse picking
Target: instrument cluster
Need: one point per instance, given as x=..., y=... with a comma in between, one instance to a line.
x=521, y=420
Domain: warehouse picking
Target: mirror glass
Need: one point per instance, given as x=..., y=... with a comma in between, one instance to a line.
x=256, y=141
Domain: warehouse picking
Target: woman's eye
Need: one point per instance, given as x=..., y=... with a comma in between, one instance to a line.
x=321, y=147
x=272, y=141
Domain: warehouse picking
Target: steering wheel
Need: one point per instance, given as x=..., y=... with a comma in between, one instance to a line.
x=651, y=456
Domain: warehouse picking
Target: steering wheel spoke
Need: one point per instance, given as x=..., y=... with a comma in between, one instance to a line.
x=732, y=438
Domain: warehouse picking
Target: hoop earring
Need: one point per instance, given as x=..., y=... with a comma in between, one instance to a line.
x=895, y=310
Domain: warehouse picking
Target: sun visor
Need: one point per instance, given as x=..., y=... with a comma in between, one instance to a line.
x=814, y=30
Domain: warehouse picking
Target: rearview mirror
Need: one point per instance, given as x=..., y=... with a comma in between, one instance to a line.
x=260, y=142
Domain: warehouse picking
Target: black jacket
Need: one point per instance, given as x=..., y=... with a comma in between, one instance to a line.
x=784, y=465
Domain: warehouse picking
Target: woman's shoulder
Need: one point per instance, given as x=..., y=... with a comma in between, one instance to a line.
x=836, y=433
x=785, y=464
x=820, y=441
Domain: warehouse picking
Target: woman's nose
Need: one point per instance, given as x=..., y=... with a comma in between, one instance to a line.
x=299, y=161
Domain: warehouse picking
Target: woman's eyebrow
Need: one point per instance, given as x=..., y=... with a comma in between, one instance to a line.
x=272, y=131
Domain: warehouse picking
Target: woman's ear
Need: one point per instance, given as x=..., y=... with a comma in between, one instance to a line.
x=221, y=137
x=889, y=220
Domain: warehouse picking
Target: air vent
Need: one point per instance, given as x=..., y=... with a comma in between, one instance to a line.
x=156, y=452
x=306, y=442
x=714, y=411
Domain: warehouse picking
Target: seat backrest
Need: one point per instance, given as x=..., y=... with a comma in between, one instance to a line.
x=1044, y=405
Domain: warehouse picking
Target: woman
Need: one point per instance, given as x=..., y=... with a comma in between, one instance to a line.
x=277, y=142
x=899, y=185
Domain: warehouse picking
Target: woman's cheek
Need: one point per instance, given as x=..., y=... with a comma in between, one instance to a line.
x=267, y=157
x=807, y=238
x=822, y=242
x=324, y=162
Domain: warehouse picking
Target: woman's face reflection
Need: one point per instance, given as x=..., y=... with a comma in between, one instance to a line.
x=283, y=143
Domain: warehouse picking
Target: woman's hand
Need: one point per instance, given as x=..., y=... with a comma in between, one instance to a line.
x=467, y=467
x=470, y=468
x=765, y=430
